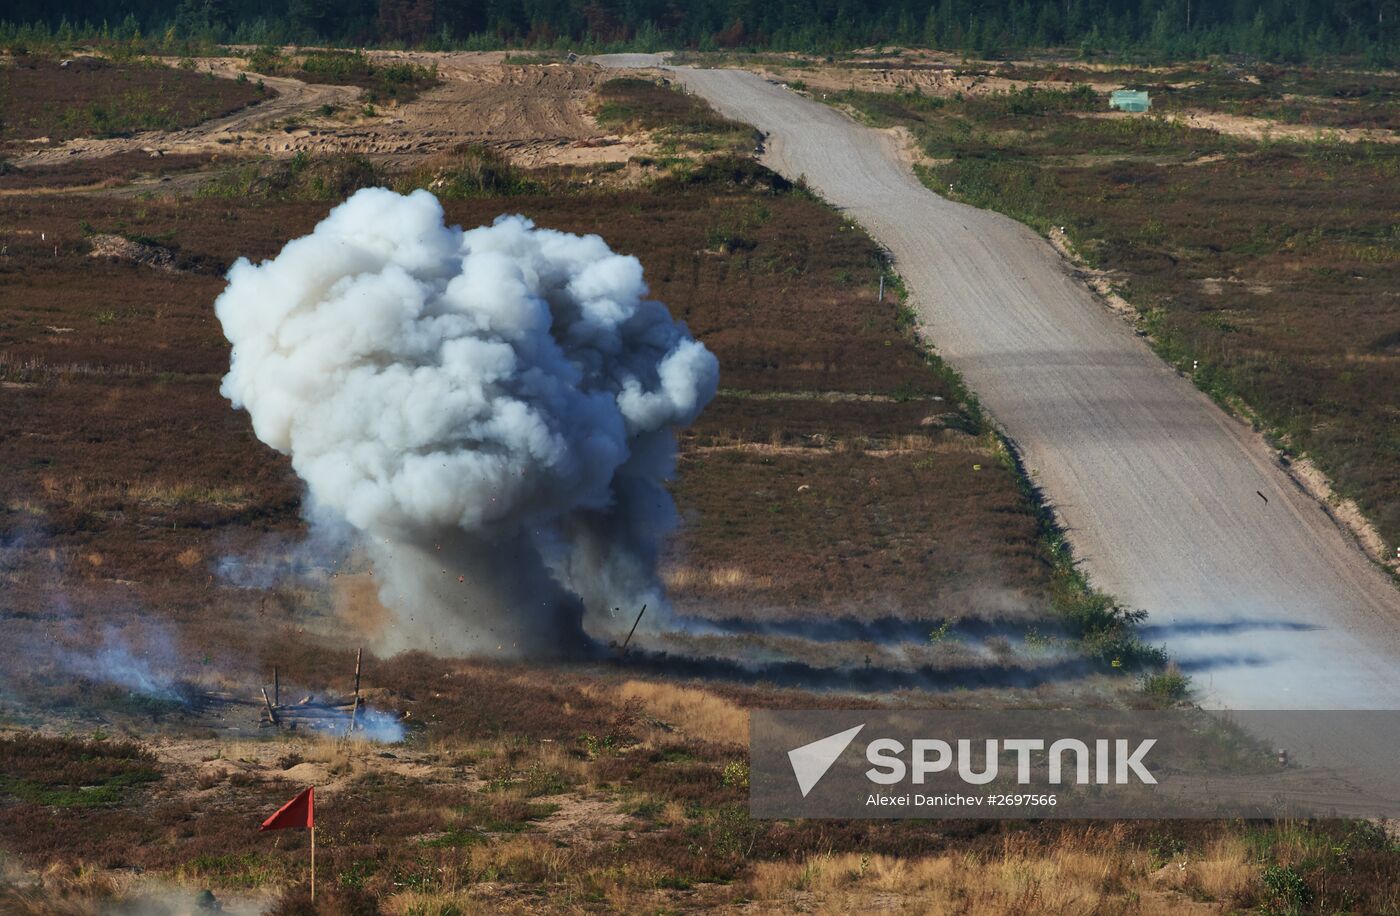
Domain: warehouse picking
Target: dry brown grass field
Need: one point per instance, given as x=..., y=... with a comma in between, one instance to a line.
x=42, y=97
x=841, y=475
x=838, y=471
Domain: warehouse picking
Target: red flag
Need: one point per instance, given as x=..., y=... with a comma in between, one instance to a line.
x=300, y=812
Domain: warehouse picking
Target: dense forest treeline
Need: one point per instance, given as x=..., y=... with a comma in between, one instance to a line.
x=1274, y=29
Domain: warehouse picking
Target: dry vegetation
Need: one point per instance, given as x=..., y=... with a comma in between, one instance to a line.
x=603, y=797
x=554, y=789
x=842, y=473
x=91, y=97
x=840, y=468
x=1296, y=95
x=1246, y=97
x=112, y=171
x=383, y=81
x=680, y=122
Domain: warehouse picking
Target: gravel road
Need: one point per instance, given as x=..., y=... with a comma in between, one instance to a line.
x=1172, y=505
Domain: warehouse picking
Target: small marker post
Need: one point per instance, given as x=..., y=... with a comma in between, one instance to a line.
x=271, y=711
x=355, y=708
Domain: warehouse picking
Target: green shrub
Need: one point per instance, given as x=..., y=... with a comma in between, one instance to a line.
x=1169, y=686
x=303, y=177
x=1288, y=892
x=470, y=171
x=72, y=772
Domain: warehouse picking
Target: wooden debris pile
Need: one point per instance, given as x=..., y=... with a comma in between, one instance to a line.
x=338, y=714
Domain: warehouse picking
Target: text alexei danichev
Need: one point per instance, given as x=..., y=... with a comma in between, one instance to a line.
x=992, y=800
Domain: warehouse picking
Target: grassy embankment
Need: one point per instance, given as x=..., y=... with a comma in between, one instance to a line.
x=1271, y=267
x=680, y=124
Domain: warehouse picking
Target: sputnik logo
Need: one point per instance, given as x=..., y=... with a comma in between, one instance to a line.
x=811, y=761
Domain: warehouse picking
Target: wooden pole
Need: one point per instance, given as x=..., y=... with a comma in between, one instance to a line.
x=271, y=711
x=276, y=687
x=355, y=708
x=313, y=864
x=633, y=630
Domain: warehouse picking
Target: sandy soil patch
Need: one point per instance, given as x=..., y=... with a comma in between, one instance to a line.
x=534, y=114
x=577, y=816
x=936, y=74
x=1260, y=129
x=1264, y=129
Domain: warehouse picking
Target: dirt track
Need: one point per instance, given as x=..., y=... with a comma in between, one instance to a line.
x=294, y=98
x=1173, y=506
x=536, y=115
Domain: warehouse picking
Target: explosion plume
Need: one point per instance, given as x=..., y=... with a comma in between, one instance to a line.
x=493, y=411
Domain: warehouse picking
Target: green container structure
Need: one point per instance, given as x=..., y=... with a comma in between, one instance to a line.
x=1129, y=100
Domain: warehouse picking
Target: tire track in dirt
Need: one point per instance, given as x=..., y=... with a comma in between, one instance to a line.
x=294, y=98
x=535, y=115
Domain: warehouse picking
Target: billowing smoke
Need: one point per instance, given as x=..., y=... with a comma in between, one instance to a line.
x=493, y=410
x=146, y=671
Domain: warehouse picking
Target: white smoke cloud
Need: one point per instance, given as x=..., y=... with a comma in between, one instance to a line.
x=495, y=404
x=147, y=671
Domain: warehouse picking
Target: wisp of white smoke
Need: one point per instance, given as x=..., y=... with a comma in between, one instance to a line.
x=493, y=410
